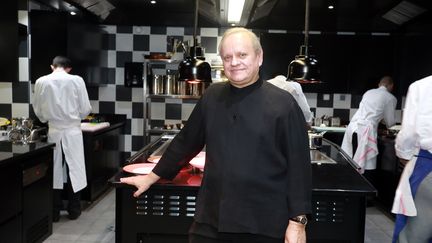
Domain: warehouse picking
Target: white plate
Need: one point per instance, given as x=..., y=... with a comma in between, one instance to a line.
x=139, y=168
x=198, y=161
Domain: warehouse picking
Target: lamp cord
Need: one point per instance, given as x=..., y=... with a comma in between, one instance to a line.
x=195, y=26
x=306, y=37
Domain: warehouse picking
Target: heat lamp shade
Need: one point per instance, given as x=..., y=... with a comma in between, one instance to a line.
x=304, y=69
x=193, y=69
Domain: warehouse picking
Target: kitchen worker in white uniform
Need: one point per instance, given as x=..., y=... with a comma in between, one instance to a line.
x=296, y=91
x=413, y=199
x=376, y=105
x=61, y=99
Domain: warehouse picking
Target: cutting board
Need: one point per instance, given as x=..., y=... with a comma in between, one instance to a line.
x=91, y=127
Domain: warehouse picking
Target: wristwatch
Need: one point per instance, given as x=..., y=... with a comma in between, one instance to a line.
x=300, y=219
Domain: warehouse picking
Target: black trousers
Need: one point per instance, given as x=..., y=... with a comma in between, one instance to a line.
x=74, y=199
x=235, y=238
x=204, y=233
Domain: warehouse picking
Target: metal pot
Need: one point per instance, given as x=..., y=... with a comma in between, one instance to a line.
x=169, y=84
x=196, y=88
x=182, y=88
x=157, y=84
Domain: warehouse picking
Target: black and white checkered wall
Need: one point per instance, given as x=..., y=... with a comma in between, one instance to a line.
x=130, y=44
x=15, y=96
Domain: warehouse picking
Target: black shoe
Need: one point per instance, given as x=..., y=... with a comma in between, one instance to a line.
x=56, y=217
x=73, y=216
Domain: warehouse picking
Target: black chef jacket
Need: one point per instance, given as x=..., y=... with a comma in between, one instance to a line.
x=258, y=172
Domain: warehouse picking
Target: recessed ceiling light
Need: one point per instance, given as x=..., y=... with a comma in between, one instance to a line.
x=72, y=13
x=235, y=10
x=153, y=2
x=330, y=7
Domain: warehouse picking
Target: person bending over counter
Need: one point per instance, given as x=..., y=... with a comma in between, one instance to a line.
x=257, y=183
x=61, y=99
x=360, y=138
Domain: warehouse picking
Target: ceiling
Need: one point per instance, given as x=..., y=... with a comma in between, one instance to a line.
x=348, y=15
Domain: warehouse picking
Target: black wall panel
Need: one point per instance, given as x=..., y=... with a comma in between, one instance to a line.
x=9, y=41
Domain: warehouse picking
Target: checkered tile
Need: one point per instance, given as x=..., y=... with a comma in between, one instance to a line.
x=129, y=44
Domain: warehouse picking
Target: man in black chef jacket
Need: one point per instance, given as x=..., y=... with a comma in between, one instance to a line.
x=256, y=185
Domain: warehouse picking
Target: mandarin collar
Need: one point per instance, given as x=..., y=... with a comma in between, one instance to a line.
x=248, y=88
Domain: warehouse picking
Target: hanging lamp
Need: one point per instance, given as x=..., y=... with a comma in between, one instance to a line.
x=193, y=68
x=305, y=68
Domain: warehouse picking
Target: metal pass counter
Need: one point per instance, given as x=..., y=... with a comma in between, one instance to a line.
x=165, y=212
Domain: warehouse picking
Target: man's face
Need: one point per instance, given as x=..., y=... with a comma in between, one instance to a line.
x=241, y=62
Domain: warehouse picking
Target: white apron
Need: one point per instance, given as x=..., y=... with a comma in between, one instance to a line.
x=367, y=148
x=68, y=135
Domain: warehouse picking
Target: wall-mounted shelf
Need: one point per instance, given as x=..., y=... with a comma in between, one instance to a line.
x=148, y=65
x=190, y=97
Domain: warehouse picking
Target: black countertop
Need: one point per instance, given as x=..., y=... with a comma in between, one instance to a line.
x=10, y=152
x=115, y=121
x=339, y=177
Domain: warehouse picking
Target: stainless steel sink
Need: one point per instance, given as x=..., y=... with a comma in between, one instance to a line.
x=320, y=158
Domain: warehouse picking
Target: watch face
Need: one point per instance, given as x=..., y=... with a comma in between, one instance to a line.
x=300, y=219
x=303, y=220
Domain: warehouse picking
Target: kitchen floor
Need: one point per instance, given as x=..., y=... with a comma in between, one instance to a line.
x=97, y=224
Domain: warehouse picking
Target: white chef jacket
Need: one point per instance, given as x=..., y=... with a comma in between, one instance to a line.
x=296, y=91
x=376, y=105
x=415, y=134
x=61, y=99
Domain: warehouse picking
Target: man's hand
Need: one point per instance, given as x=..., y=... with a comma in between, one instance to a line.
x=142, y=182
x=295, y=233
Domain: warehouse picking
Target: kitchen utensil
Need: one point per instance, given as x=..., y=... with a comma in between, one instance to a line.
x=169, y=84
x=27, y=123
x=317, y=121
x=37, y=134
x=335, y=122
x=20, y=131
x=157, y=84
x=182, y=88
x=197, y=88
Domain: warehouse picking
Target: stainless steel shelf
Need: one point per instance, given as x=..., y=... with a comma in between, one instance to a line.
x=163, y=131
x=162, y=61
x=191, y=97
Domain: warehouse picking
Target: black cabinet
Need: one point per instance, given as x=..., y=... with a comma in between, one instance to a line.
x=37, y=200
x=10, y=206
x=102, y=158
x=9, y=41
x=26, y=184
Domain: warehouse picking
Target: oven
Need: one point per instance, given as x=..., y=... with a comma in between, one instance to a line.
x=37, y=199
